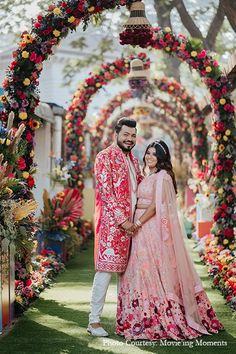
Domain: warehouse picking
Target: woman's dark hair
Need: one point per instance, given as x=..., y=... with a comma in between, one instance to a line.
x=163, y=159
x=124, y=121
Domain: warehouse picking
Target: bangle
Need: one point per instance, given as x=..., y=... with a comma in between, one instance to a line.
x=138, y=223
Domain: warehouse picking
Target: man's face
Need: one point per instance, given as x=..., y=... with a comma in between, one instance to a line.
x=126, y=139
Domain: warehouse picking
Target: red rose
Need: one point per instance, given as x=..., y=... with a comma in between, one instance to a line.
x=219, y=126
x=228, y=232
x=30, y=182
x=228, y=165
x=28, y=282
x=21, y=164
x=37, y=25
x=29, y=137
x=223, y=206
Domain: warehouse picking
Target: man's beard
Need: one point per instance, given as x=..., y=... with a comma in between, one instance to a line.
x=123, y=148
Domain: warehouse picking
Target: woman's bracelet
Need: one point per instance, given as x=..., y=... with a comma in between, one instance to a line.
x=138, y=223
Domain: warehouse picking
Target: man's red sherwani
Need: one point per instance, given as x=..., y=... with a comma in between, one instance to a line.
x=113, y=207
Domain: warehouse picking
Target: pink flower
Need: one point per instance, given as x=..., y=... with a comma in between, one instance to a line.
x=202, y=54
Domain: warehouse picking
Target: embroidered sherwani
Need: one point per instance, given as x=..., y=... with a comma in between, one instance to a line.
x=113, y=207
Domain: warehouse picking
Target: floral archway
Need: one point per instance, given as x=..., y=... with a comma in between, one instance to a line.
x=47, y=31
x=74, y=131
x=164, y=122
x=172, y=116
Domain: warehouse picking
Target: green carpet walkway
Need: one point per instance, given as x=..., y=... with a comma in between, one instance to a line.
x=56, y=323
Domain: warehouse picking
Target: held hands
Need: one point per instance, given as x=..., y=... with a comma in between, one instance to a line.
x=130, y=227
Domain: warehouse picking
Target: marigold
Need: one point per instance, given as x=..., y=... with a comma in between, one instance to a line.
x=57, y=11
x=222, y=101
x=25, y=54
x=167, y=29
x=208, y=69
x=23, y=115
x=56, y=33
x=71, y=19
x=26, y=81
x=193, y=53
x=25, y=174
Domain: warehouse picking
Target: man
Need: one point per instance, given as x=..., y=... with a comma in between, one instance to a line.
x=117, y=176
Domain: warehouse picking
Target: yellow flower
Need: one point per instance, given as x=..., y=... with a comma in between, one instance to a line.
x=32, y=153
x=222, y=101
x=193, y=53
x=207, y=194
x=167, y=29
x=91, y=9
x=25, y=54
x=234, y=177
x=220, y=190
x=81, y=139
x=27, y=38
x=2, y=141
x=232, y=246
x=71, y=19
x=56, y=33
x=225, y=242
x=208, y=69
x=19, y=299
x=8, y=142
x=25, y=174
x=225, y=138
x=228, y=132
x=3, y=98
x=221, y=147
x=167, y=49
x=204, y=162
x=26, y=81
x=57, y=11
x=126, y=65
x=23, y=115
x=98, y=84
x=225, y=268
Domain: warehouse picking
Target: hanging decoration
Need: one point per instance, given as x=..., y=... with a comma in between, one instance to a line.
x=137, y=30
x=138, y=78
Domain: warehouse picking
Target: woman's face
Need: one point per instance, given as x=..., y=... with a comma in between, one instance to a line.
x=150, y=158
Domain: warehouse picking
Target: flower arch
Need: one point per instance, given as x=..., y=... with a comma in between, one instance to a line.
x=170, y=128
x=77, y=110
x=182, y=125
x=60, y=18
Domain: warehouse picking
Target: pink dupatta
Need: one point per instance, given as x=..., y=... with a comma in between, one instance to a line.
x=182, y=282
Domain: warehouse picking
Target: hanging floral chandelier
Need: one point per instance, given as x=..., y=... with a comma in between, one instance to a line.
x=138, y=78
x=137, y=30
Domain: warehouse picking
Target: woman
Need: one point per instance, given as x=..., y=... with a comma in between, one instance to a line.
x=160, y=294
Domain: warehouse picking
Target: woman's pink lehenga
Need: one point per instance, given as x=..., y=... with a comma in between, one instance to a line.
x=160, y=293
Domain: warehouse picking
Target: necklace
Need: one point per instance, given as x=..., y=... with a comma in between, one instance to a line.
x=151, y=173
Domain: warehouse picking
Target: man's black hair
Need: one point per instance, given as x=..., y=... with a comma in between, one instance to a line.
x=124, y=121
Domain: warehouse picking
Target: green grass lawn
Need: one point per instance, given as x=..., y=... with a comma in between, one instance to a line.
x=56, y=323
